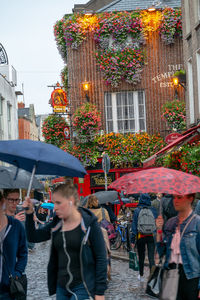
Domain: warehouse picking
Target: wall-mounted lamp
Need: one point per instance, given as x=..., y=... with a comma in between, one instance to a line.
x=86, y=86
x=151, y=8
x=176, y=83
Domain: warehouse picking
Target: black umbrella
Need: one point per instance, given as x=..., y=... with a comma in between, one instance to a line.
x=103, y=197
x=13, y=178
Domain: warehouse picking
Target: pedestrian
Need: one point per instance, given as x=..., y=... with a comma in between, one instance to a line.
x=12, y=200
x=12, y=208
x=157, y=203
x=13, y=249
x=185, y=250
x=125, y=213
x=101, y=214
x=96, y=209
x=110, y=211
x=41, y=216
x=143, y=228
x=77, y=265
x=168, y=209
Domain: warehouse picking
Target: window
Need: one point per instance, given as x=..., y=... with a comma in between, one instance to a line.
x=187, y=17
x=1, y=117
x=125, y=112
x=198, y=77
x=190, y=91
x=9, y=120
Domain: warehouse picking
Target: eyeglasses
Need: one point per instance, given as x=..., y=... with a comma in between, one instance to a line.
x=11, y=200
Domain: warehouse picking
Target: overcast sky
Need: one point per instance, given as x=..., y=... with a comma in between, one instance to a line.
x=26, y=32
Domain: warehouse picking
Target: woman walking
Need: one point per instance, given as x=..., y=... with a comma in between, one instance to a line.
x=180, y=242
x=77, y=265
x=13, y=250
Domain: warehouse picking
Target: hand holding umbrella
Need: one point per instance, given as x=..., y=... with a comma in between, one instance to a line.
x=159, y=226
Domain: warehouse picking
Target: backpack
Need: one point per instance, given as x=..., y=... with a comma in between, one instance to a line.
x=146, y=221
x=108, y=226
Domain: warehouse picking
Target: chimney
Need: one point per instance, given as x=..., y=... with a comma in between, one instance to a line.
x=21, y=105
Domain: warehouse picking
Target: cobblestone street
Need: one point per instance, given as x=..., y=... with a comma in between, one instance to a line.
x=124, y=283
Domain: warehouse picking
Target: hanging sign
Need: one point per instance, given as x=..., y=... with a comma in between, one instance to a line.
x=172, y=137
x=67, y=133
x=59, y=100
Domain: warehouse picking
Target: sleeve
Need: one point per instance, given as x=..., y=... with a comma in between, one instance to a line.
x=107, y=215
x=197, y=209
x=198, y=243
x=37, y=235
x=22, y=252
x=134, y=225
x=100, y=255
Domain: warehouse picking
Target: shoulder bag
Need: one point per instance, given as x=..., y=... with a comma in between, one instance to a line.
x=18, y=285
x=163, y=284
x=170, y=280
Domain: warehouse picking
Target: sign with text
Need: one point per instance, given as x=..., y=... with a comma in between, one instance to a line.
x=98, y=179
x=59, y=109
x=172, y=137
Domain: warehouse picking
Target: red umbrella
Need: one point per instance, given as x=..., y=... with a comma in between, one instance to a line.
x=157, y=180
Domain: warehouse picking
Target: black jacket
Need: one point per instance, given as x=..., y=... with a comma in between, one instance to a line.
x=93, y=252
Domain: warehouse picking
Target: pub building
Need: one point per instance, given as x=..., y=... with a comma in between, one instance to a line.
x=131, y=104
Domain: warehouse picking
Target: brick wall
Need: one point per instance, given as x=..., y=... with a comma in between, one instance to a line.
x=24, y=128
x=160, y=59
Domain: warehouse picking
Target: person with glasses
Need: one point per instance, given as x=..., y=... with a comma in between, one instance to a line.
x=13, y=250
x=12, y=200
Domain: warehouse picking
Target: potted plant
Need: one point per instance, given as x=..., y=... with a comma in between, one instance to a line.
x=181, y=74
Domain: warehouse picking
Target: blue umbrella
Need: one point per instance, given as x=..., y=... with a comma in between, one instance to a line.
x=48, y=205
x=40, y=158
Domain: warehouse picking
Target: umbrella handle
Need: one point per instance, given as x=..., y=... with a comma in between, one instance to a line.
x=31, y=181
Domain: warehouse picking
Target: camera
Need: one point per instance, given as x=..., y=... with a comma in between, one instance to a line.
x=20, y=208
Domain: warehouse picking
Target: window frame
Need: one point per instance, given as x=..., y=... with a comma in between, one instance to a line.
x=114, y=119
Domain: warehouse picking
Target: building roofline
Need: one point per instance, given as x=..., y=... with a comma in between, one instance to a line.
x=108, y=5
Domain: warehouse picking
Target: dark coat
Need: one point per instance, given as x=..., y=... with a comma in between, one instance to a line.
x=93, y=251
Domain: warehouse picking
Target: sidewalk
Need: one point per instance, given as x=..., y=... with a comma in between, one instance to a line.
x=124, y=255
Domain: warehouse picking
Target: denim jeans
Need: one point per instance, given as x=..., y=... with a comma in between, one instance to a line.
x=79, y=293
x=141, y=244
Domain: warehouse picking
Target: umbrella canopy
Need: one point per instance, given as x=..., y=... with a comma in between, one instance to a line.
x=13, y=178
x=103, y=197
x=48, y=159
x=48, y=205
x=157, y=180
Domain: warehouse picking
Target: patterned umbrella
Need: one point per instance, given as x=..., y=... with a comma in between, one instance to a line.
x=157, y=180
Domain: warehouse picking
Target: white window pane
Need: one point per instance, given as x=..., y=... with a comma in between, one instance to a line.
x=132, y=125
x=141, y=111
x=120, y=126
x=109, y=113
x=130, y=98
x=140, y=97
x=119, y=99
x=131, y=111
x=119, y=112
x=142, y=124
x=110, y=126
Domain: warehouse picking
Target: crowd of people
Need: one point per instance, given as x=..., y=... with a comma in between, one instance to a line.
x=79, y=264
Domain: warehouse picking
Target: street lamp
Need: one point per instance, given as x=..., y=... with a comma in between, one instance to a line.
x=176, y=83
x=86, y=86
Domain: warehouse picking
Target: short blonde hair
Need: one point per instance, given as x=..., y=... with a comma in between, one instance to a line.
x=92, y=201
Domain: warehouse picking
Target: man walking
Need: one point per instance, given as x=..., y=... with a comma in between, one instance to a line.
x=143, y=228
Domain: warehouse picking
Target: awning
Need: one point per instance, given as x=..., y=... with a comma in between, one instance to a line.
x=189, y=135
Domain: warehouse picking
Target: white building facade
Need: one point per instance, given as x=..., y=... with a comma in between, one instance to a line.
x=8, y=99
